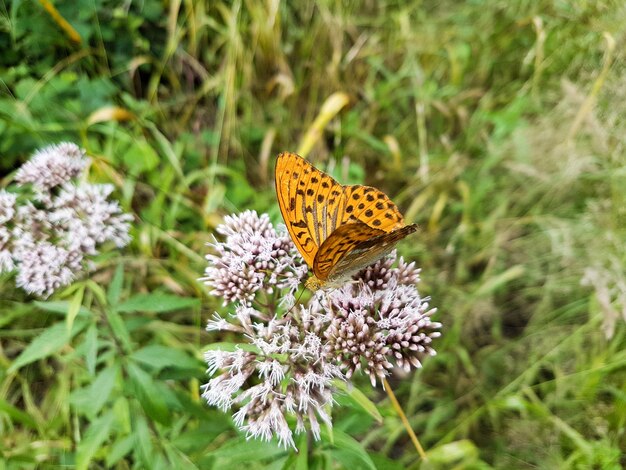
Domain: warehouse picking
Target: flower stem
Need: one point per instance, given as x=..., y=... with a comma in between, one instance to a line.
x=405, y=420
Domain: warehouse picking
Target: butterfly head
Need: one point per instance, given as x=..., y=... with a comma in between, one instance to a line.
x=313, y=283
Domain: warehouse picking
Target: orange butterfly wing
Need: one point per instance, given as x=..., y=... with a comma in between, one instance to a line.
x=310, y=202
x=353, y=247
x=334, y=226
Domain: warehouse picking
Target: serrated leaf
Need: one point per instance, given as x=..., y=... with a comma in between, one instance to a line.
x=159, y=357
x=200, y=437
x=148, y=394
x=47, y=343
x=91, y=399
x=97, y=433
x=156, y=303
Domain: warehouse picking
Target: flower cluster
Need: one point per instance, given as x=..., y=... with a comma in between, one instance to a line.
x=297, y=351
x=253, y=257
x=47, y=236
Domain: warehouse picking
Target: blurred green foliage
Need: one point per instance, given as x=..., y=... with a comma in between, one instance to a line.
x=497, y=126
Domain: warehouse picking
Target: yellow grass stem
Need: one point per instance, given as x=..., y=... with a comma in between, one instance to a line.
x=62, y=22
x=405, y=421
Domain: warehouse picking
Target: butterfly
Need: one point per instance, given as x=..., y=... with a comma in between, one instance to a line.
x=337, y=229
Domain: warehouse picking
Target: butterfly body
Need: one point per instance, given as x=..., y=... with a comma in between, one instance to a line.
x=337, y=229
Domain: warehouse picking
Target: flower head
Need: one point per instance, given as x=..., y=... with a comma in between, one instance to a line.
x=44, y=267
x=52, y=166
x=47, y=235
x=295, y=355
x=253, y=257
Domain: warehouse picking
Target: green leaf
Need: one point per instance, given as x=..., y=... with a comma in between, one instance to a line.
x=140, y=157
x=302, y=458
x=383, y=462
x=115, y=287
x=91, y=399
x=176, y=459
x=200, y=437
x=60, y=307
x=144, y=450
x=453, y=452
x=97, y=433
x=242, y=450
x=159, y=357
x=119, y=329
x=156, y=303
x=360, y=399
x=74, y=307
x=47, y=343
x=148, y=394
x=91, y=349
x=119, y=449
x=349, y=452
x=17, y=415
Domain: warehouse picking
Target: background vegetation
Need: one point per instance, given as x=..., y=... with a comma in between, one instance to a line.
x=498, y=126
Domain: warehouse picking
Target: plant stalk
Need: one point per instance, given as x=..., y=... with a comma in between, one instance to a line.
x=405, y=421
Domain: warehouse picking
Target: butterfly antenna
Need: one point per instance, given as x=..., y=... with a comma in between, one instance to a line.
x=295, y=302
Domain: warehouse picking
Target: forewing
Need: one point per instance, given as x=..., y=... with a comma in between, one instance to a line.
x=311, y=203
x=354, y=246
